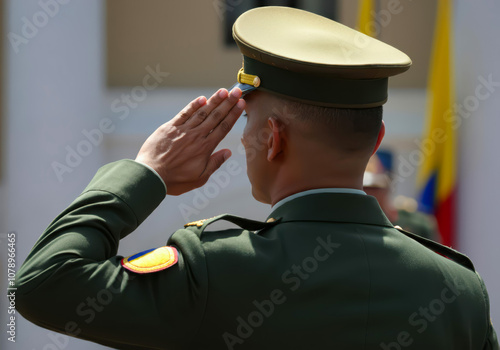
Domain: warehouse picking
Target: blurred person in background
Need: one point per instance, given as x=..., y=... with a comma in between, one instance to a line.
x=401, y=210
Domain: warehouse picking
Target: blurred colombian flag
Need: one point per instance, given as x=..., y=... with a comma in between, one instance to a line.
x=436, y=180
x=365, y=20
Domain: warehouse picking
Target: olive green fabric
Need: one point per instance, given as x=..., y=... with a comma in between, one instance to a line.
x=320, y=89
x=329, y=272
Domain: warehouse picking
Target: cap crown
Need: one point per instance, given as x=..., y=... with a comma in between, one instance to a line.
x=300, y=42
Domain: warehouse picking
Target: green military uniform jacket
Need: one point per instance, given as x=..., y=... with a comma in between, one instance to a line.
x=419, y=223
x=328, y=272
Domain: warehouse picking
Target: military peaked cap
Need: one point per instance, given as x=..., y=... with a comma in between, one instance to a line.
x=313, y=59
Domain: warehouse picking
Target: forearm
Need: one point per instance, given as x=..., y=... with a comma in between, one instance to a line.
x=79, y=246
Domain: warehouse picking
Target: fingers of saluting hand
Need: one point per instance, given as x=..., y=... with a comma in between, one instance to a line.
x=219, y=131
x=188, y=111
x=215, y=116
x=216, y=110
x=211, y=110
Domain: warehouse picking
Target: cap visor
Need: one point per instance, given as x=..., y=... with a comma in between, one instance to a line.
x=245, y=88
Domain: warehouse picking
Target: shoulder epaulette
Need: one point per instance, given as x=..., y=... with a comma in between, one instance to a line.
x=246, y=224
x=445, y=251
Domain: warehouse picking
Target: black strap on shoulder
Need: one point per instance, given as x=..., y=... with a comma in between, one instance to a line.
x=246, y=224
x=440, y=249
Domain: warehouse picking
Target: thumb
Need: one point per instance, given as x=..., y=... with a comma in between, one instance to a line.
x=216, y=160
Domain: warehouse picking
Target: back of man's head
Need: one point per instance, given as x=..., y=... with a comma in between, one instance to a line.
x=308, y=146
x=347, y=130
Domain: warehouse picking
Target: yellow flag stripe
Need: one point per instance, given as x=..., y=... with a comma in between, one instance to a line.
x=365, y=20
x=440, y=133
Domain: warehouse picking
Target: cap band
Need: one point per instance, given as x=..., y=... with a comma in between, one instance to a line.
x=322, y=90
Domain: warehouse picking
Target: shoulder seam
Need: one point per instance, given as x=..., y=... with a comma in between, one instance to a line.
x=448, y=252
x=205, y=301
x=369, y=285
x=202, y=318
x=486, y=303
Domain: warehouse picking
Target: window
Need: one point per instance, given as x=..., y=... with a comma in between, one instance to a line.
x=234, y=8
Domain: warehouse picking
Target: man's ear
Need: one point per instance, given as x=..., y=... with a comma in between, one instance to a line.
x=380, y=137
x=275, y=139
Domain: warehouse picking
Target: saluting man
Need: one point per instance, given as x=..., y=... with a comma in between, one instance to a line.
x=326, y=270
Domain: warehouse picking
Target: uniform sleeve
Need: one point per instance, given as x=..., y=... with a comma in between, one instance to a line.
x=72, y=281
x=491, y=340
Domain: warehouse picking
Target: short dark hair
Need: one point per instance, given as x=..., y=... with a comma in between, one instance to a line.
x=348, y=129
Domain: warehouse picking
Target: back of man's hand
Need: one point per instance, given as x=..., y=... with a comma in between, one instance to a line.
x=180, y=151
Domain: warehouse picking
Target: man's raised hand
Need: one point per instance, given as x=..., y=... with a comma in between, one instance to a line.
x=181, y=150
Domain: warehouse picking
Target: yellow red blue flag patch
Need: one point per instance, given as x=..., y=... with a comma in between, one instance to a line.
x=151, y=260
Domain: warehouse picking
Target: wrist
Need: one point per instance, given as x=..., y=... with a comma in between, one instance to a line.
x=154, y=171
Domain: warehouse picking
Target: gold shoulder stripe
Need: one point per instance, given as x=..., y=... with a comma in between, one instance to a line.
x=198, y=223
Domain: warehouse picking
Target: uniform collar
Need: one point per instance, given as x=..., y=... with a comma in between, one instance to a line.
x=318, y=190
x=332, y=207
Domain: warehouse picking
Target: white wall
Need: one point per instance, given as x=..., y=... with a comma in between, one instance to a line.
x=478, y=55
x=54, y=87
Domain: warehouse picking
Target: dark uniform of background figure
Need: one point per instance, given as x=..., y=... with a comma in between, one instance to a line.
x=415, y=221
x=401, y=210
x=326, y=270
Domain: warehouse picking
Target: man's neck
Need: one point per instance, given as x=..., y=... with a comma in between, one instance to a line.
x=287, y=187
x=316, y=191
